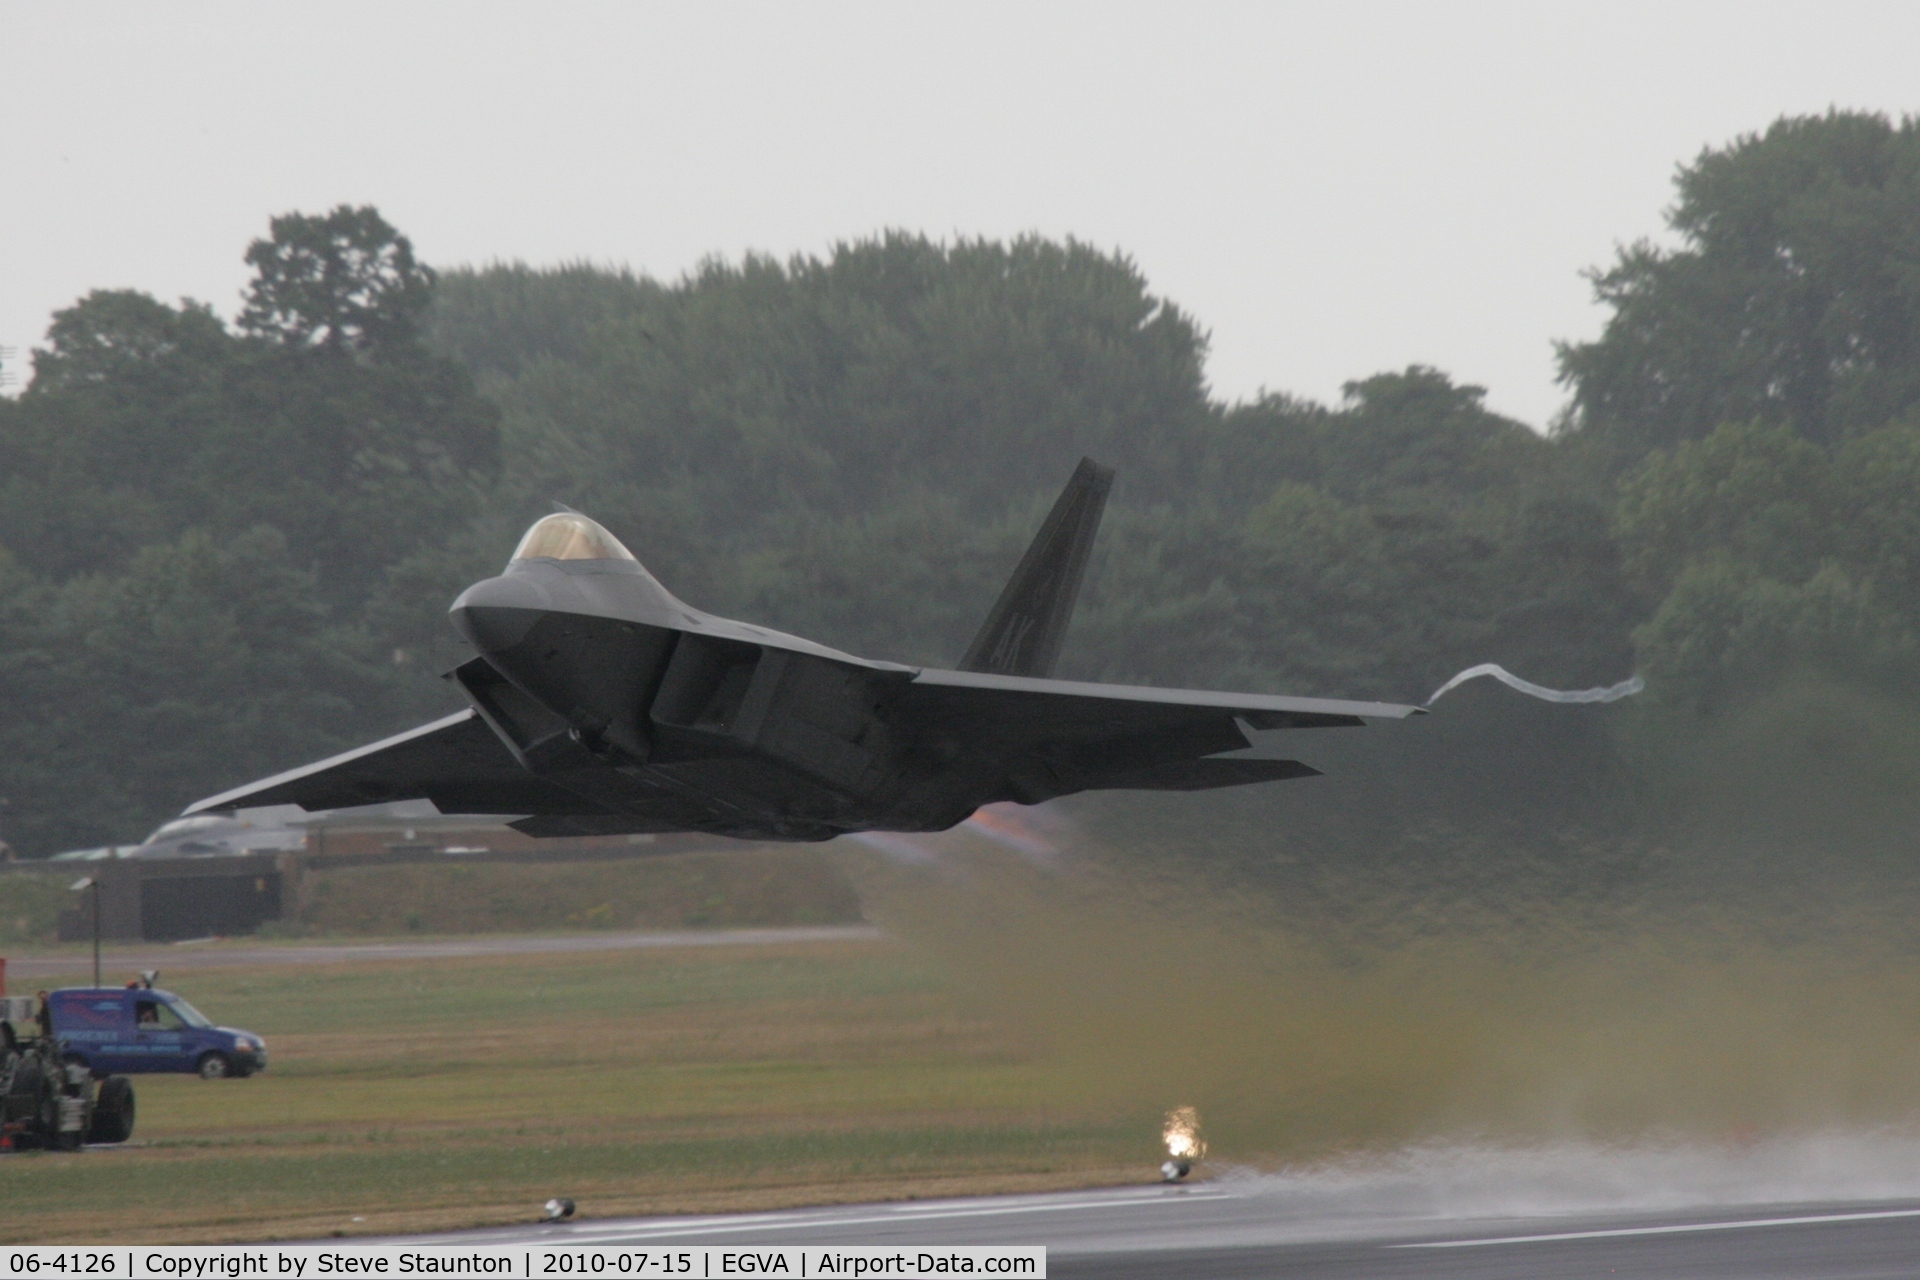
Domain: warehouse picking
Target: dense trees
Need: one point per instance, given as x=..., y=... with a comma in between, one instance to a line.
x=1763, y=555
x=1794, y=297
x=828, y=384
x=205, y=657
x=144, y=420
x=1757, y=390
x=225, y=549
x=345, y=281
x=199, y=520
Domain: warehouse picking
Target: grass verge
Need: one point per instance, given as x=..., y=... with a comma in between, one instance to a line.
x=461, y=1093
x=745, y=887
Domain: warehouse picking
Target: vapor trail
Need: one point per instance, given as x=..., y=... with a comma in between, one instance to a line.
x=1611, y=693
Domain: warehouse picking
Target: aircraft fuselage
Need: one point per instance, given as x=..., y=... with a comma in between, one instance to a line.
x=591, y=667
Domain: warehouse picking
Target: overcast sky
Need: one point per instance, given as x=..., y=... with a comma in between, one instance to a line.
x=1331, y=189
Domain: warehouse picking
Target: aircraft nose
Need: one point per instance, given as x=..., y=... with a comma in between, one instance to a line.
x=497, y=613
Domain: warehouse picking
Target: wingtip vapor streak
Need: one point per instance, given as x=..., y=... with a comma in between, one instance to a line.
x=600, y=704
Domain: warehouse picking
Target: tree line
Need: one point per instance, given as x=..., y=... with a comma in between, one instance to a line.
x=226, y=548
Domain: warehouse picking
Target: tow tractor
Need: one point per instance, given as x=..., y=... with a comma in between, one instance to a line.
x=46, y=1098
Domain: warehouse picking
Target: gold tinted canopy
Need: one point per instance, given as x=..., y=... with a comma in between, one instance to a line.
x=568, y=535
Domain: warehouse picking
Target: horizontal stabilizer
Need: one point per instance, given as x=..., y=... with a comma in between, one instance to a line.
x=1201, y=775
x=1023, y=633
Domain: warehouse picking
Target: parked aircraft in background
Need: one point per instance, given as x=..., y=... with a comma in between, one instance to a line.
x=208, y=835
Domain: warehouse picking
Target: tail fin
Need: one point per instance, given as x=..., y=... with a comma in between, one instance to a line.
x=1023, y=634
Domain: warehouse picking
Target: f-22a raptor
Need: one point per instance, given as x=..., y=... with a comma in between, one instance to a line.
x=601, y=704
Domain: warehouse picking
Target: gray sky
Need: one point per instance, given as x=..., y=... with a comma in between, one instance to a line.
x=1332, y=190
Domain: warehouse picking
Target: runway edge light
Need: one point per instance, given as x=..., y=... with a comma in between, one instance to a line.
x=1185, y=1147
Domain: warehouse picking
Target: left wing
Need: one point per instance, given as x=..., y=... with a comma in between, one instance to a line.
x=457, y=762
x=1062, y=736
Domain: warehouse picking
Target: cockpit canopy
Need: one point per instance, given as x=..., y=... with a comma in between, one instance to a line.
x=568, y=535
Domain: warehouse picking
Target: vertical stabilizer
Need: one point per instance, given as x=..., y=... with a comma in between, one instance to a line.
x=1023, y=634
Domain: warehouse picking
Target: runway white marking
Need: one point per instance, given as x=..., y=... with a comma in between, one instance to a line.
x=1664, y=1231
x=799, y=1222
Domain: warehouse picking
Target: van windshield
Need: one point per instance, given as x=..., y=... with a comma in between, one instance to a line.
x=188, y=1014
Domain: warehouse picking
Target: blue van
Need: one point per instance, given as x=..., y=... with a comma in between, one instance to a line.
x=127, y=1030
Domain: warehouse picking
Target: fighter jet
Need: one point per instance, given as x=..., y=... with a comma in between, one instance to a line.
x=601, y=704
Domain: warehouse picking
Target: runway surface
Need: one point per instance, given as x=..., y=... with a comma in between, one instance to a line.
x=118, y=961
x=1251, y=1229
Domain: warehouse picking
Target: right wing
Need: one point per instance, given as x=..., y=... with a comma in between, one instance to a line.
x=456, y=762
x=1056, y=737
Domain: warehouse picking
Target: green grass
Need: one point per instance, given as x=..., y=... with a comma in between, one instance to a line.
x=747, y=886
x=463, y=1092
x=31, y=902
x=741, y=887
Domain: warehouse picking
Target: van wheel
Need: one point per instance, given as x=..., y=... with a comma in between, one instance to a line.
x=112, y=1111
x=214, y=1066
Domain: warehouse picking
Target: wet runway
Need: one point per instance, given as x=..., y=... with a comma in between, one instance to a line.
x=119, y=963
x=1221, y=1230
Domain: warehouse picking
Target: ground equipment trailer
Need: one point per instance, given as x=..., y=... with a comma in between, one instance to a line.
x=48, y=1100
